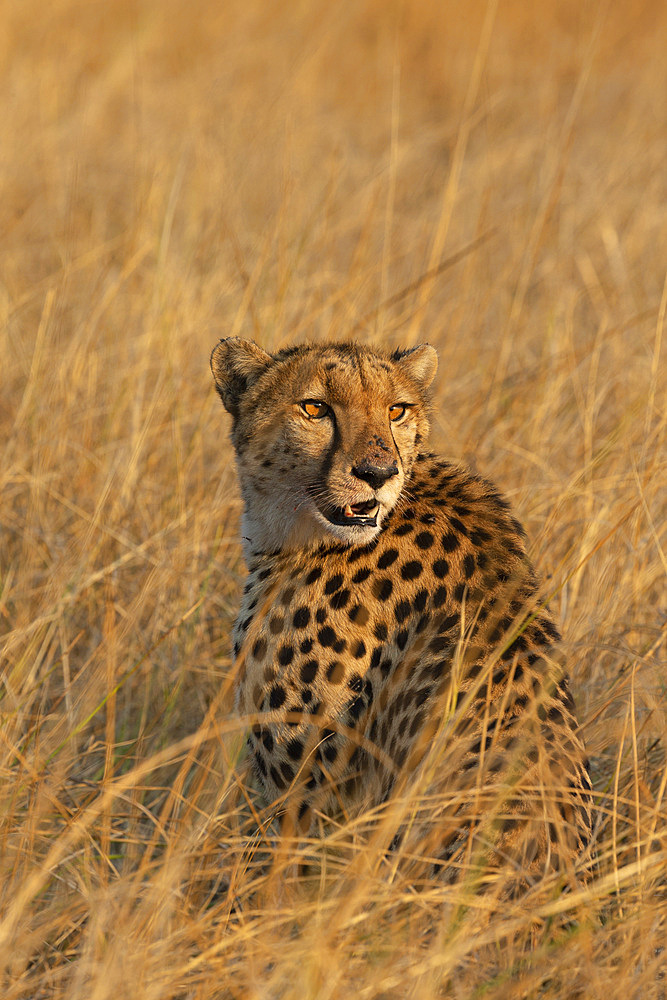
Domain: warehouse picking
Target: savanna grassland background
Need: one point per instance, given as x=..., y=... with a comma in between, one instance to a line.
x=490, y=177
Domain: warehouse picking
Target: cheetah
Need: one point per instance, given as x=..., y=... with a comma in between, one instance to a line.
x=392, y=633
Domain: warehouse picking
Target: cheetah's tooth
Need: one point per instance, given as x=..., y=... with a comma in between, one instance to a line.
x=348, y=511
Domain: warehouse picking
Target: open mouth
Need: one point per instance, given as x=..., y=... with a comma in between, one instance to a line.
x=363, y=514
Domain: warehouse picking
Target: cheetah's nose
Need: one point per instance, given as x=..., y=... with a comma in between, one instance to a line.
x=374, y=475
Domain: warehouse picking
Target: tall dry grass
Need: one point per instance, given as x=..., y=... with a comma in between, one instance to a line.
x=489, y=177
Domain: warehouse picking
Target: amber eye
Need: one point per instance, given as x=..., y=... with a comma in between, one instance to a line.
x=315, y=409
x=397, y=412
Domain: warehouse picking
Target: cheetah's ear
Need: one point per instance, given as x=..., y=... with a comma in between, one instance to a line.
x=236, y=364
x=417, y=363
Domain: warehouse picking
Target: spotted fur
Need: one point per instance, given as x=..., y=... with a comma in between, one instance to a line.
x=414, y=649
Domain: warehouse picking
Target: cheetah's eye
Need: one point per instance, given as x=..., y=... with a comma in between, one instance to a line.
x=315, y=409
x=397, y=412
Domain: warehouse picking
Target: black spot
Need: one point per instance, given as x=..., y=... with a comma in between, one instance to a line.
x=334, y=583
x=326, y=636
x=458, y=526
x=330, y=751
x=382, y=589
x=450, y=542
x=277, y=696
x=478, y=537
x=259, y=649
x=306, y=695
x=549, y=628
x=517, y=646
x=401, y=611
x=387, y=558
x=301, y=617
x=482, y=560
x=469, y=566
x=314, y=575
x=376, y=657
x=356, y=683
x=385, y=666
x=518, y=527
x=295, y=749
x=356, y=707
x=441, y=644
x=237, y=649
x=264, y=574
x=411, y=570
x=320, y=615
x=459, y=592
x=306, y=646
x=403, y=529
x=421, y=696
x=440, y=597
x=267, y=740
x=309, y=671
x=555, y=716
x=277, y=624
x=438, y=669
x=458, y=490
x=421, y=600
x=339, y=645
x=401, y=638
x=447, y=624
x=477, y=745
x=499, y=676
x=303, y=809
x=340, y=599
x=259, y=763
x=359, y=650
x=286, y=596
x=422, y=623
x=441, y=568
x=288, y=773
x=409, y=514
x=244, y=625
x=427, y=519
x=335, y=672
x=361, y=575
x=285, y=655
x=461, y=510
x=424, y=539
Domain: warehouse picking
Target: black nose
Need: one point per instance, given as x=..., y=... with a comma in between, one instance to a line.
x=374, y=475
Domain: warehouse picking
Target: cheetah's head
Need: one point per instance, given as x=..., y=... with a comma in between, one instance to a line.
x=325, y=436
